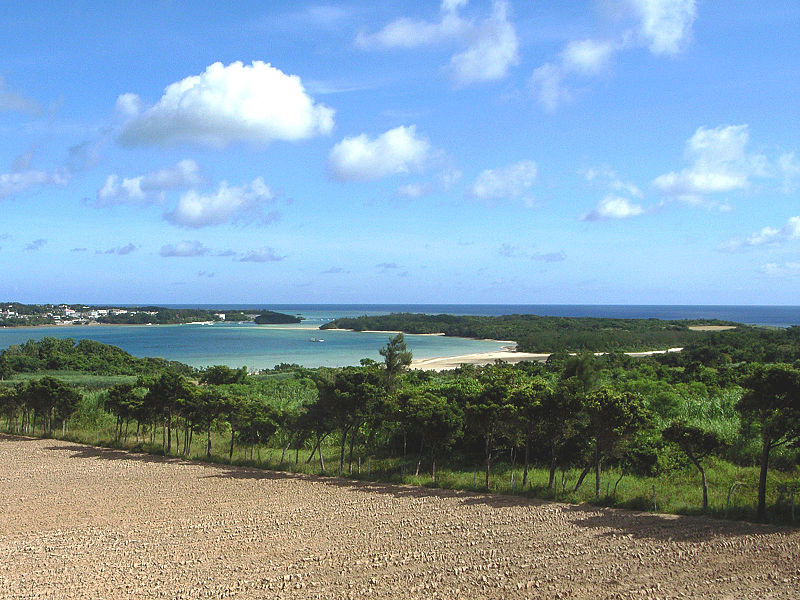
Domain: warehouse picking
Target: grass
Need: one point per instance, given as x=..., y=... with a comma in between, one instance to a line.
x=76, y=378
x=678, y=492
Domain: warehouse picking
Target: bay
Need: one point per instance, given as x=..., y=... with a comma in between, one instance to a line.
x=264, y=346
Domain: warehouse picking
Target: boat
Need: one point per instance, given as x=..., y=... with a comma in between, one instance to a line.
x=315, y=340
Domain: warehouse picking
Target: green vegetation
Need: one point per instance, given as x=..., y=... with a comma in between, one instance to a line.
x=710, y=430
x=542, y=334
x=269, y=317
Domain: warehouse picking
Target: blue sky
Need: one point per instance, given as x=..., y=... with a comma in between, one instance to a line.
x=626, y=152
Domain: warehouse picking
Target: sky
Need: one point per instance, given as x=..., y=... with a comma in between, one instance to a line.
x=462, y=151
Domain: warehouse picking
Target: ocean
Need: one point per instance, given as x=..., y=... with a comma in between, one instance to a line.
x=264, y=346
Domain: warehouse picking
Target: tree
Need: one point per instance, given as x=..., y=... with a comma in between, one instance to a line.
x=487, y=405
x=613, y=418
x=436, y=419
x=222, y=375
x=697, y=444
x=771, y=405
x=396, y=358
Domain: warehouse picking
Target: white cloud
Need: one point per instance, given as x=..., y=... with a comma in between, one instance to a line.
x=607, y=178
x=614, y=207
x=254, y=103
x=407, y=33
x=128, y=105
x=719, y=163
x=767, y=236
x=789, y=168
x=15, y=183
x=184, y=249
x=150, y=187
x=360, y=158
x=665, y=25
x=227, y=204
x=261, y=255
x=785, y=270
x=492, y=47
x=13, y=101
x=493, y=51
x=547, y=85
x=414, y=190
x=507, y=182
x=588, y=57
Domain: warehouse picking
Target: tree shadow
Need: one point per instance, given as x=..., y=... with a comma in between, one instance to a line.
x=610, y=522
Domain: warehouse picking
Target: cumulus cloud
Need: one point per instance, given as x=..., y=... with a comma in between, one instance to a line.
x=333, y=271
x=36, y=245
x=408, y=33
x=613, y=207
x=719, y=162
x=254, y=103
x=665, y=25
x=491, y=46
x=588, y=56
x=184, y=249
x=261, y=255
x=492, y=52
x=361, y=158
x=507, y=182
x=150, y=187
x=18, y=182
x=767, y=236
x=242, y=204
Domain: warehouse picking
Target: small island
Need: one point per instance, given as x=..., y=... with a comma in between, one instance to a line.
x=269, y=317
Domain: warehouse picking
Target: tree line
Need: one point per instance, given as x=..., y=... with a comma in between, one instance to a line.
x=640, y=416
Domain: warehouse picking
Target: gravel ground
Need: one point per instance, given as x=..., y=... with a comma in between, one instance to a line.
x=81, y=522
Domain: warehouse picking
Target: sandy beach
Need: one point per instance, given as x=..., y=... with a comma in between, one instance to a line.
x=508, y=354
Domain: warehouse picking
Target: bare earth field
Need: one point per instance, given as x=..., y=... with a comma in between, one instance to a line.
x=81, y=522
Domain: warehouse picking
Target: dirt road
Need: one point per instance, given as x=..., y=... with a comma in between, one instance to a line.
x=79, y=522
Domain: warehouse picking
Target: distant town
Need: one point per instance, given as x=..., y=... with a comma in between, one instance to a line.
x=14, y=314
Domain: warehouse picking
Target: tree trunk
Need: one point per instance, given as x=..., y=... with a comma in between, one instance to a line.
x=761, y=514
x=553, y=461
x=582, y=477
x=283, y=454
x=208, y=442
x=527, y=457
x=352, y=442
x=314, y=449
x=488, y=458
x=419, y=456
x=597, y=469
x=230, y=455
x=341, y=454
x=433, y=463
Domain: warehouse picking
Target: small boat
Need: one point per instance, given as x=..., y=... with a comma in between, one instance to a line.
x=316, y=340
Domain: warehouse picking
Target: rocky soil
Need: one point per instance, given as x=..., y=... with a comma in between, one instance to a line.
x=79, y=522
